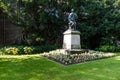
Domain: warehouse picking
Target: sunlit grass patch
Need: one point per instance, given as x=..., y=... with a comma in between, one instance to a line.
x=36, y=67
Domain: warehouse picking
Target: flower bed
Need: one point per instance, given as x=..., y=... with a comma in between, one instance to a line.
x=68, y=59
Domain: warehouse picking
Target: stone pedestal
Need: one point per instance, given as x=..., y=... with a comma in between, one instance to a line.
x=71, y=39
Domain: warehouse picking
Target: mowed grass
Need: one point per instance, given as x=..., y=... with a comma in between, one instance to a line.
x=40, y=68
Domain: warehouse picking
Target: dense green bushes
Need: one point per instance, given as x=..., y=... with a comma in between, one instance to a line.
x=18, y=50
x=109, y=48
x=44, y=21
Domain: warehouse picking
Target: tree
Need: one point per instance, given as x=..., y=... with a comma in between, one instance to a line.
x=98, y=20
x=35, y=17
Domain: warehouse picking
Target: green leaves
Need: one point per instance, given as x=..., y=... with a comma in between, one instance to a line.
x=96, y=18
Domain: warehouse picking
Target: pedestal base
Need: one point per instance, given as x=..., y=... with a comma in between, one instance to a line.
x=71, y=39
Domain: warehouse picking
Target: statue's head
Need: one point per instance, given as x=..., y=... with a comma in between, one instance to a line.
x=72, y=10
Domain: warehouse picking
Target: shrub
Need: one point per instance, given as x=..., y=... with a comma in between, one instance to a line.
x=14, y=50
x=108, y=48
x=21, y=50
x=45, y=48
x=2, y=51
x=11, y=50
x=118, y=49
x=28, y=50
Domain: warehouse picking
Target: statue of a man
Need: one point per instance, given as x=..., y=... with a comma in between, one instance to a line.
x=72, y=19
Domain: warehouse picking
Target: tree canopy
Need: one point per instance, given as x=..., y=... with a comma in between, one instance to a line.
x=44, y=21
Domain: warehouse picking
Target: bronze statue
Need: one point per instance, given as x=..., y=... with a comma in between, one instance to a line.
x=72, y=19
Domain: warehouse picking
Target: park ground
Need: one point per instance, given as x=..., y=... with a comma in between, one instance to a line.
x=36, y=67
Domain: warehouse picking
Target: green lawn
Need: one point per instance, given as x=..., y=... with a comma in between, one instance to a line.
x=40, y=68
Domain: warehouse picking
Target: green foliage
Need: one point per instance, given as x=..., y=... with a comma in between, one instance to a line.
x=28, y=50
x=11, y=50
x=2, y=51
x=21, y=50
x=98, y=20
x=100, y=25
x=109, y=48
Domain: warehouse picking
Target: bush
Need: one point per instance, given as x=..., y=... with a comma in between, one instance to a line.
x=45, y=48
x=48, y=48
x=118, y=49
x=11, y=50
x=28, y=50
x=2, y=51
x=18, y=50
x=21, y=50
x=108, y=48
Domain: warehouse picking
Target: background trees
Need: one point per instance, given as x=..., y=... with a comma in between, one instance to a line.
x=44, y=21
